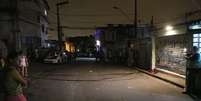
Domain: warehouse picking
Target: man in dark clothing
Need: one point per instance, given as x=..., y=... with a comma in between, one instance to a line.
x=193, y=62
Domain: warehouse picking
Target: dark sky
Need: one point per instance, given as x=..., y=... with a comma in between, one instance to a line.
x=95, y=13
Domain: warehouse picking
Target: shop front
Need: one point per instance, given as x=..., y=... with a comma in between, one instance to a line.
x=173, y=43
x=171, y=46
x=171, y=51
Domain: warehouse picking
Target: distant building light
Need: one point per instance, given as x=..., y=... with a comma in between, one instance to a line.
x=98, y=43
x=45, y=12
x=169, y=28
x=67, y=46
x=48, y=45
x=185, y=50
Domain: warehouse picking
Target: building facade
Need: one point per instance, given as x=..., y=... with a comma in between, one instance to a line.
x=116, y=40
x=174, y=42
x=23, y=23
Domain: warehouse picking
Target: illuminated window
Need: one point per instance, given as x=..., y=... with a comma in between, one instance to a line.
x=195, y=35
x=197, y=41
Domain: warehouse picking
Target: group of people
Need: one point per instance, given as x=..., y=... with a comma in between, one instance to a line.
x=13, y=77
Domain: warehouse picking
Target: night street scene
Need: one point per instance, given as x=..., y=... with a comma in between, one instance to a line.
x=100, y=50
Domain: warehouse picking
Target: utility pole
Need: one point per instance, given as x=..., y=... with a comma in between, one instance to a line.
x=135, y=18
x=59, y=32
x=16, y=30
x=58, y=28
x=121, y=11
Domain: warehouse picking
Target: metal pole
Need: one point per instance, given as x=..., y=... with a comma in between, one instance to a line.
x=59, y=24
x=58, y=27
x=16, y=28
x=135, y=19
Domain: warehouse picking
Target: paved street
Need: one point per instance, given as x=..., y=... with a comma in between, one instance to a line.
x=89, y=81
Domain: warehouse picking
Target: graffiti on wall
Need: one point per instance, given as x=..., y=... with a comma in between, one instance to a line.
x=171, y=53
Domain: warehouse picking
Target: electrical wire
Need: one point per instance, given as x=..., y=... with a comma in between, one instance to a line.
x=52, y=13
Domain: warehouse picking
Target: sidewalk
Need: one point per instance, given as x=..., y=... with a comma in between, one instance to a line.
x=173, y=79
x=170, y=78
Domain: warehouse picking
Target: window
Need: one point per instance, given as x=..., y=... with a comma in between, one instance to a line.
x=43, y=28
x=197, y=40
x=38, y=19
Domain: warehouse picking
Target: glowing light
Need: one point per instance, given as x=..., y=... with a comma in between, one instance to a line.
x=172, y=32
x=46, y=12
x=169, y=28
x=98, y=43
x=48, y=45
x=185, y=50
x=67, y=46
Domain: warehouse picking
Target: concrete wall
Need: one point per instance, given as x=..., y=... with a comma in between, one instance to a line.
x=7, y=24
x=24, y=23
x=115, y=42
x=44, y=31
x=3, y=49
x=170, y=53
x=33, y=22
x=171, y=48
x=142, y=53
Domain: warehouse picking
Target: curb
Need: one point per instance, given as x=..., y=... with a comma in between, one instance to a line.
x=161, y=78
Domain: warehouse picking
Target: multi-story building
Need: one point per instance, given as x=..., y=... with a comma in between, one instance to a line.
x=174, y=41
x=23, y=23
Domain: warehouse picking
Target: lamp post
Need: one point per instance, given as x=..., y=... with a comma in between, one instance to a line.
x=59, y=24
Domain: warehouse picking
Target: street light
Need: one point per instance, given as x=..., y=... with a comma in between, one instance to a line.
x=169, y=28
x=58, y=23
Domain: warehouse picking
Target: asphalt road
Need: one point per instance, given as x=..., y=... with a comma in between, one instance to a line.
x=88, y=81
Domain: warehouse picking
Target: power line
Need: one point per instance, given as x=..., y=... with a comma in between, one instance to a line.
x=87, y=15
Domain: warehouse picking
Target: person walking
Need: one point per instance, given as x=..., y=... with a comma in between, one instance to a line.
x=14, y=82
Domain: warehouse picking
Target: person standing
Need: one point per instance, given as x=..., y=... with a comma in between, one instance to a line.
x=2, y=74
x=22, y=62
x=130, y=55
x=14, y=82
x=193, y=62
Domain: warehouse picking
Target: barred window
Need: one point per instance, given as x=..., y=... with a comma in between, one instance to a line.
x=197, y=40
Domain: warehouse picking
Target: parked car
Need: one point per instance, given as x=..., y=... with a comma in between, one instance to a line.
x=56, y=57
